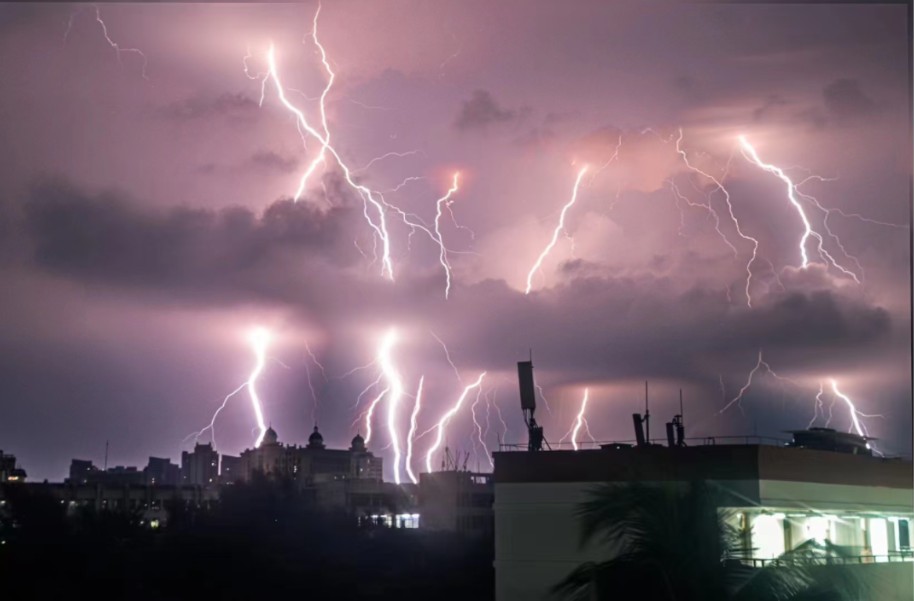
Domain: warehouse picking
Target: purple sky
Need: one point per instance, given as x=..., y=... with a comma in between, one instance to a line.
x=146, y=224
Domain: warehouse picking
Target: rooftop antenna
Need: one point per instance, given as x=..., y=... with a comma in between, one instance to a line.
x=535, y=437
x=675, y=430
x=640, y=422
x=647, y=416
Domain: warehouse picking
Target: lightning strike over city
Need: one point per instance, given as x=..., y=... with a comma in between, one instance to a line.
x=468, y=255
x=410, y=435
x=579, y=421
x=260, y=339
x=559, y=228
x=440, y=428
x=752, y=156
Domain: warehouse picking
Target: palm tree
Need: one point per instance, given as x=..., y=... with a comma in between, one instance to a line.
x=673, y=544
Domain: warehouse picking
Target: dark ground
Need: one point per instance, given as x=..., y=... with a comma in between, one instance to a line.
x=260, y=541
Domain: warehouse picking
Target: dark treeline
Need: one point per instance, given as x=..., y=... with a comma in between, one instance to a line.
x=261, y=539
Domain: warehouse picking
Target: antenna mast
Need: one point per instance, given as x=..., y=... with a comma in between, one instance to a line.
x=535, y=437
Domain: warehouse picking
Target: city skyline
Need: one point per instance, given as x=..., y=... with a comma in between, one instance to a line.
x=699, y=207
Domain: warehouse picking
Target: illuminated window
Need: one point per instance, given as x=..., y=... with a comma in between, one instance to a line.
x=768, y=536
x=817, y=528
x=879, y=538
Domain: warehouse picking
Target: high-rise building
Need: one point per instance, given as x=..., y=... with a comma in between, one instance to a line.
x=230, y=470
x=8, y=470
x=81, y=471
x=162, y=472
x=201, y=466
x=312, y=463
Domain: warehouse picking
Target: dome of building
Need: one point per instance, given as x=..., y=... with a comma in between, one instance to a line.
x=358, y=443
x=270, y=436
x=316, y=441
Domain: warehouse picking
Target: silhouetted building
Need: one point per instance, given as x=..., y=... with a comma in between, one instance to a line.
x=8, y=470
x=162, y=472
x=119, y=476
x=230, y=470
x=151, y=503
x=457, y=501
x=81, y=471
x=777, y=497
x=310, y=464
x=201, y=466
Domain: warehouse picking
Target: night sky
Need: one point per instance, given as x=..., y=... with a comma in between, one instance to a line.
x=147, y=221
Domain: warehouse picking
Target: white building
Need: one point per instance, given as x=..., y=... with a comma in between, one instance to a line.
x=780, y=497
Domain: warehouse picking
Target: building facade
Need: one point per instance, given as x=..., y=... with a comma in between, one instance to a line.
x=200, y=467
x=780, y=497
x=457, y=501
x=160, y=471
x=311, y=464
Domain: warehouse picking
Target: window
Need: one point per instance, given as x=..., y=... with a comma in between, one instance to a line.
x=768, y=535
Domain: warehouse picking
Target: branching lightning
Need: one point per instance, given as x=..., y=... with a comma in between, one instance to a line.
x=412, y=432
x=854, y=413
x=759, y=364
x=558, y=230
x=817, y=407
x=117, y=48
x=480, y=437
x=443, y=422
x=752, y=156
x=395, y=386
x=580, y=421
x=726, y=198
x=212, y=423
x=260, y=338
x=442, y=250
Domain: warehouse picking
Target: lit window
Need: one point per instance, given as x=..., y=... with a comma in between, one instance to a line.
x=768, y=535
x=879, y=539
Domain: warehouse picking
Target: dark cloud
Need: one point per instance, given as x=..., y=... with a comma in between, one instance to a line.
x=845, y=100
x=231, y=105
x=482, y=110
x=107, y=239
x=771, y=105
x=268, y=159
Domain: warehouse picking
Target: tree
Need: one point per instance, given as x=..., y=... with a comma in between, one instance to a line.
x=671, y=543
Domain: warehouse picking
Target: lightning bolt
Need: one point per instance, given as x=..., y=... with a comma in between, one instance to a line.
x=447, y=355
x=442, y=250
x=212, y=423
x=412, y=432
x=325, y=142
x=580, y=421
x=443, y=422
x=375, y=207
x=854, y=413
x=479, y=435
x=368, y=197
x=260, y=338
x=726, y=198
x=558, y=230
x=543, y=396
x=117, y=48
x=752, y=156
x=817, y=407
x=759, y=364
x=501, y=418
x=395, y=386
x=370, y=412
x=387, y=155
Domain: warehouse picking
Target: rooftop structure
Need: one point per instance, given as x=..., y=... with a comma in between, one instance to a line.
x=780, y=497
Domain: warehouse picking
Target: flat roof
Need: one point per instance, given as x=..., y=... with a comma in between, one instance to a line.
x=706, y=462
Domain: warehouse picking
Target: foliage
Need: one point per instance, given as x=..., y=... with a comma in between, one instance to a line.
x=672, y=543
